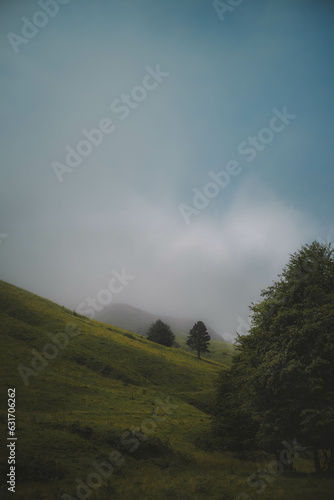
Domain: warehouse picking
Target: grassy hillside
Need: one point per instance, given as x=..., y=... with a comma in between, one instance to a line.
x=111, y=396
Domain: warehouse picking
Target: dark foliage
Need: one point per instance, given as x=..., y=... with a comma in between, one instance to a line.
x=281, y=383
x=161, y=333
x=198, y=338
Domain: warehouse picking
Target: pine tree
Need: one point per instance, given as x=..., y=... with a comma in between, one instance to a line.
x=161, y=333
x=198, y=338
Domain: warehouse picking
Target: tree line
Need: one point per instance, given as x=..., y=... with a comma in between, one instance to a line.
x=198, y=338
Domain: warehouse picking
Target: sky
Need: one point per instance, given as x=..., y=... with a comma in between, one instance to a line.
x=167, y=155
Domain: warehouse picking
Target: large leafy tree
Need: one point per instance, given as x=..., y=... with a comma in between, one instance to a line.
x=283, y=372
x=161, y=333
x=198, y=338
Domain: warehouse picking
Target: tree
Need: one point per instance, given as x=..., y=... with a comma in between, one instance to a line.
x=283, y=373
x=198, y=338
x=161, y=333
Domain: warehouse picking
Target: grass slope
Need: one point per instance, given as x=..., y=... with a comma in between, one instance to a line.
x=109, y=390
x=221, y=352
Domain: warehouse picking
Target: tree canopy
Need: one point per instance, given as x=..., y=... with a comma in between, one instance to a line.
x=198, y=338
x=281, y=383
x=161, y=333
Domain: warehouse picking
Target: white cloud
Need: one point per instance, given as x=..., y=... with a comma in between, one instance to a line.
x=211, y=269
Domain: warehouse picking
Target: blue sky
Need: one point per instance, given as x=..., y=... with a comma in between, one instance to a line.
x=120, y=206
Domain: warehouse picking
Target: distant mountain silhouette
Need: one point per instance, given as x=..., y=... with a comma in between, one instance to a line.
x=137, y=320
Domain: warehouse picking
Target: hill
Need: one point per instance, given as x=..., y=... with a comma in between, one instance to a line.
x=103, y=413
x=137, y=320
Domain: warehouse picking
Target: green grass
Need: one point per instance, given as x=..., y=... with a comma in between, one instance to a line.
x=222, y=352
x=106, y=381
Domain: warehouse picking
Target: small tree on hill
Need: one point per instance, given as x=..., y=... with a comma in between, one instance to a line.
x=198, y=338
x=161, y=333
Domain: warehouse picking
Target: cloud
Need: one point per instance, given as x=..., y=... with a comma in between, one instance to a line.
x=119, y=208
x=210, y=270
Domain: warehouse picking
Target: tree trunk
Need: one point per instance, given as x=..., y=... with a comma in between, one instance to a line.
x=278, y=462
x=331, y=461
x=199, y=354
x=326, y=461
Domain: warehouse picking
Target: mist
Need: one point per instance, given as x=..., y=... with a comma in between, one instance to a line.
x=176, y=93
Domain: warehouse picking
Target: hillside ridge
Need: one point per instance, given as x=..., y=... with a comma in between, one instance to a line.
x=138, y=320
